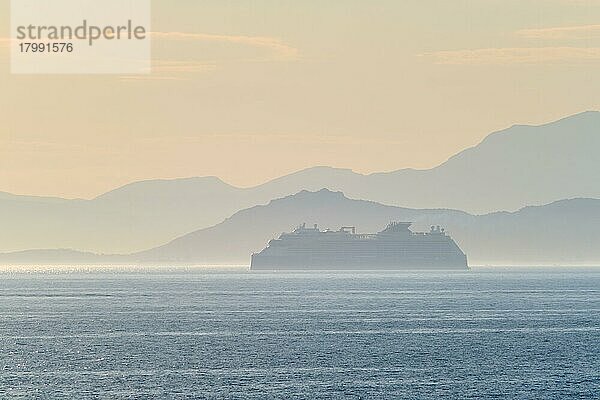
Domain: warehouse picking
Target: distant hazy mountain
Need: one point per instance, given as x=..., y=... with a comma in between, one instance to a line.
x=134, y=217
x=520, y=166
x=564, y=232
x=510, y=169
x=58, y=257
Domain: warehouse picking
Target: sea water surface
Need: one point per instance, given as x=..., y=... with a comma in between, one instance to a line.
x=92, y=333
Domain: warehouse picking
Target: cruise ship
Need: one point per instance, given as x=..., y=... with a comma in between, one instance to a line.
x=394, y=248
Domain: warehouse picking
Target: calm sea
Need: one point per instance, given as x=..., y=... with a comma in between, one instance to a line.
x=77, y=333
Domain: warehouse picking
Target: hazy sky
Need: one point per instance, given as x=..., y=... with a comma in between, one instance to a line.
x=251, y=90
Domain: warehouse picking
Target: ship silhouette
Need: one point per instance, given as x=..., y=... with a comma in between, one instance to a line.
x=395, y=247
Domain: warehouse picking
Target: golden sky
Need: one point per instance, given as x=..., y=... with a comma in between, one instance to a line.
x=251, y=90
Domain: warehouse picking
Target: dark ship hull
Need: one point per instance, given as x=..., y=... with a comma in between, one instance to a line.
x=395, y=248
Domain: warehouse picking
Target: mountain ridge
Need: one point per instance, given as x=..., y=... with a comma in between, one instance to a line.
x=313, y=168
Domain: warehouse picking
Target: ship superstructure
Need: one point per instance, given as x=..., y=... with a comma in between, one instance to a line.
x=395, y=247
